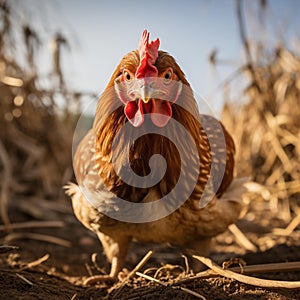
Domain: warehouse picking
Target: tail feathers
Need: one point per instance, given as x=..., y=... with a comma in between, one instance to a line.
x=71, y=189
x=237, y=189
x=241, y=187
x=241, y=190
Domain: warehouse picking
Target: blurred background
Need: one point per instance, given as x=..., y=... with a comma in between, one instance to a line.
x=97, y=36
x=243, y=57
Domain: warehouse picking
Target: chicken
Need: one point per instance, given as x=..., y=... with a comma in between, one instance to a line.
x=152, y=169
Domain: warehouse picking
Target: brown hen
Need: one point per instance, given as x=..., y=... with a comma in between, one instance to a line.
x=124, y=191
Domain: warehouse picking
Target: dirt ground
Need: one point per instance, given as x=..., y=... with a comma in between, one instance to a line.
x=71, y=259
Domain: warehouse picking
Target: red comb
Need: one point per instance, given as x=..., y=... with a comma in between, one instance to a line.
x=148, y=55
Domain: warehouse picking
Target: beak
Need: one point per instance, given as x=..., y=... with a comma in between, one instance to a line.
x=145, y=100
x=146, y=89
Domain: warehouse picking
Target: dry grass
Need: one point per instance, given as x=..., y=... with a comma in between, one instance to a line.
x=36, y=134
x=266, y=128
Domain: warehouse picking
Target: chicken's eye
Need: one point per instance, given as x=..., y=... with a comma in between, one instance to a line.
x=168, y=76
x=127, y=76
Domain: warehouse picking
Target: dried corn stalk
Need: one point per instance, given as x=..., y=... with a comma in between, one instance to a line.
x=267, y=127
x=35, y=135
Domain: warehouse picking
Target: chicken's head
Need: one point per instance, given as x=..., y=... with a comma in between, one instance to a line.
x=146, y=86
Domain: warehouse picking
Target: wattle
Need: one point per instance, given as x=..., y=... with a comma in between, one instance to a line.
x=160, y=112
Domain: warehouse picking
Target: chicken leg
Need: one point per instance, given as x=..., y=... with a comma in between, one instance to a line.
x=115, y=249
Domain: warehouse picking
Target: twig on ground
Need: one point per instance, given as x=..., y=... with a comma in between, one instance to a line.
x=247, y=279
x=168, y=267
x=262, y=268
x=35, y=263
x=269, y=268
x=235, y=260
x=39, y=237
x=74, y=297
x=34, y=224
x=241, y=238
x=290, y=228
x=6, y=248
x=166, y=284
x=24, y=279
x=89, y=270
x=187, y=266
x=135, y=269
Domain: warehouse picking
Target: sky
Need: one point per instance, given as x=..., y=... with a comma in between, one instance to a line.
x=101, y=32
